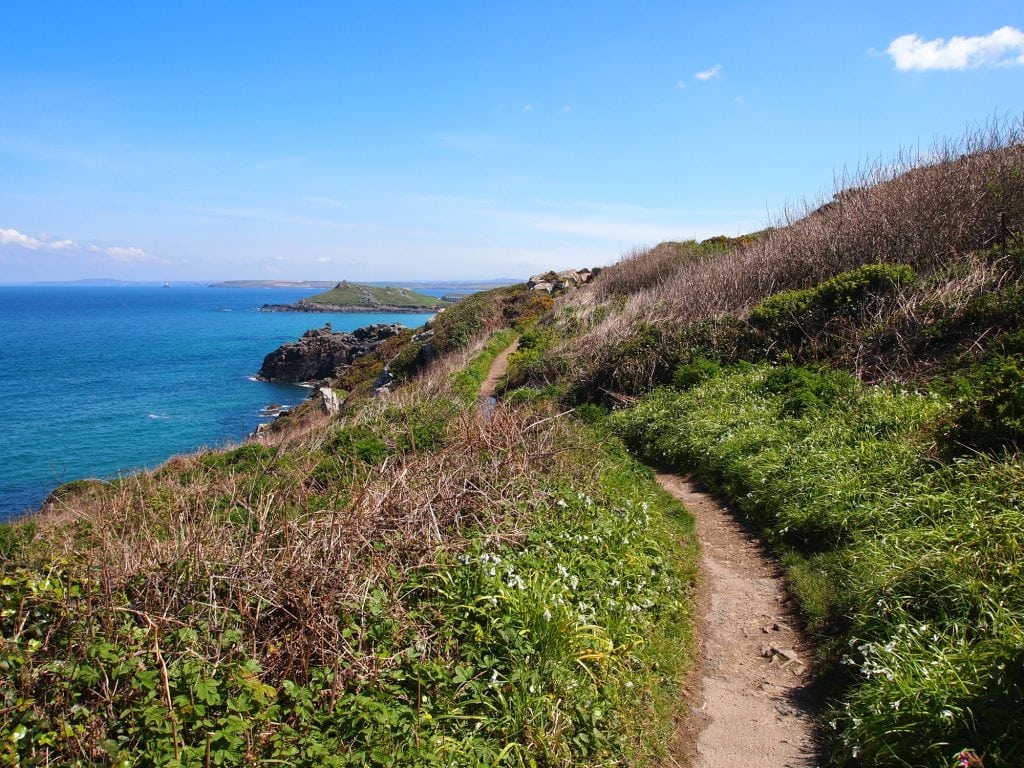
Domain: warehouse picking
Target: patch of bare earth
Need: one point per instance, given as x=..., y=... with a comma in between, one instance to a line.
x=750, y=702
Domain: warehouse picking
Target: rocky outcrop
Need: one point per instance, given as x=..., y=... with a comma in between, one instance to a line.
x=559, y=282
x=321, y=353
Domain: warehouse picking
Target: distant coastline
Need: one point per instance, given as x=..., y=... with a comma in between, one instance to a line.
x=313, y=307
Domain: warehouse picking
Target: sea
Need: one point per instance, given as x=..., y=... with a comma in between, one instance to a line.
x=100, y=381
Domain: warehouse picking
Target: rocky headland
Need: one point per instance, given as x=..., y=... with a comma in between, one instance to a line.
x=355, y=297
x=322, y=353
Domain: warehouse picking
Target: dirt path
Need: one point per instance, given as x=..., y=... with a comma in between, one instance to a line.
x=749, y=702
x=498, y=368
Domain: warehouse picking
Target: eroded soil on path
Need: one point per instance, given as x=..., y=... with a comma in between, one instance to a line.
x=497, y=371
x=750, y=699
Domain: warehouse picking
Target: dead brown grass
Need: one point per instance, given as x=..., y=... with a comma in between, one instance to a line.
x=928, y=210
x=298, y=557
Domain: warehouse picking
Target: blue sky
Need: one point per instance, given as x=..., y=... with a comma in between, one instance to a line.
x=402, y=140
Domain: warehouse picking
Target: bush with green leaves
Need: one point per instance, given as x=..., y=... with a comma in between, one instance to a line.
x=788, y=316
x=989, y=408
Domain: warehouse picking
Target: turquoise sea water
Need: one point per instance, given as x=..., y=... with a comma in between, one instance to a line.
x=96, y=381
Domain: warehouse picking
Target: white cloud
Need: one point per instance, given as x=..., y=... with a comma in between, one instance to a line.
x=14, y=237
x=1004, y=47
x=44, y=242
x=529, y=107
x=708, y=74
x=123, y=255
x=681, y=85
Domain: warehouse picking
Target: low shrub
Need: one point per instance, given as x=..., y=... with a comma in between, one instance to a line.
x=691, y=374
x=790, y=315
x=989, y=406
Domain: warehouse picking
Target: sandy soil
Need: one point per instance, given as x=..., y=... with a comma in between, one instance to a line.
x=750, y=703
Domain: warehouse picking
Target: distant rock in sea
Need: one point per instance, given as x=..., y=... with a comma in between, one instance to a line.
x=321, y=353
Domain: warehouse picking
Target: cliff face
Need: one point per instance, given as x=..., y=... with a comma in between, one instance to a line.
x=322, y=353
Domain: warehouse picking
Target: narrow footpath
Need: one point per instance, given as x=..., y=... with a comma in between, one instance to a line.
x=496, y=372
x=750, y=703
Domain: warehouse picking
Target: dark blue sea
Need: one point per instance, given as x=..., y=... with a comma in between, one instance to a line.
x=98, y=381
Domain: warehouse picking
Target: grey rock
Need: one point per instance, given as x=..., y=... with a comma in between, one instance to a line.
x=321, y=353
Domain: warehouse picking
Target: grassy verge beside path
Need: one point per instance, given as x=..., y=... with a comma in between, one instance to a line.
x=909, y=568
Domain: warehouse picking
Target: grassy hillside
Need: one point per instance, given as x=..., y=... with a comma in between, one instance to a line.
x=853, y=380
x=412, y=584
x=346, y=294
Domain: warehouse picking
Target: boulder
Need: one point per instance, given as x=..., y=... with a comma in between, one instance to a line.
x=330, y=403
x=322, y=354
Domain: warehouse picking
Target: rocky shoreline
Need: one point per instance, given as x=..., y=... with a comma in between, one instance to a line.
x=322, y=353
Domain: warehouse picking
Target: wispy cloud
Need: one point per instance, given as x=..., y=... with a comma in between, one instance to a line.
x=45, y=243
x=129, y=255
x=330, y=202
x=529, y=107
x=1002, y=48
x=708, y=74
x=681, y=85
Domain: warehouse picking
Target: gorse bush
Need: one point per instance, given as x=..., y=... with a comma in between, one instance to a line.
x=990, y=408
x=691, y=374
x=788, y=315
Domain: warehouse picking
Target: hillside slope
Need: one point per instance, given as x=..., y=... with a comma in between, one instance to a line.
x=407, y=583
x=853, y=382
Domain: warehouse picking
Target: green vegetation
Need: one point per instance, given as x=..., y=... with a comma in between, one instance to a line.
x=346, y=294
x=909, y=570
x=467, y=381
x=411, y=584
x=479, y=314
x=853, y=382
x=789, y=316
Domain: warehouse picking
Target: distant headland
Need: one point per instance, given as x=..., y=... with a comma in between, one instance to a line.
x=356, y=297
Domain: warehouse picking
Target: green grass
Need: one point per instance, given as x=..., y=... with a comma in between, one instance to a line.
x=909, y=570
x=347, y=294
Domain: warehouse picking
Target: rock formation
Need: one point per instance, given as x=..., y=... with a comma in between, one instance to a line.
x=321, y=354
x=558, y=282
